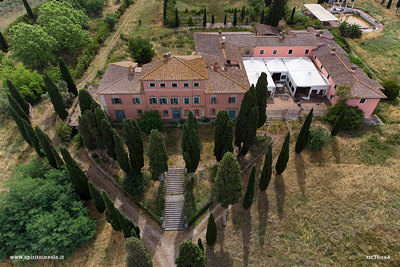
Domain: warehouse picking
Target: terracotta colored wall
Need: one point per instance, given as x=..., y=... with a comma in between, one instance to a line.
x=222, y=104
x=368, y=107
x=127, y=105
x=282, y=51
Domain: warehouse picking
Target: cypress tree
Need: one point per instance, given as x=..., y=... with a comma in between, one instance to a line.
x=176, y=18
x=94, y=128
x=136, y=253
x=157, y=153
x=246, y=122
x=165, y=9
x=134, y=141
x=32, y=137
x=267, y=2
x=211, y=236
x=84, y=130
x=262, y=17
x=55, y=96
x=111, y=212
x=200, y=243
x=108, y=137
x=57, y=157
x=383, y=1
x=212, y=19
x=234, y=18
x=261, y=98
x=266, y=172
x=127, y=226
x=85, y=100
x=397, y=6
x=205, y=18
x=225, y=19
x=292, y=16
x=20, y=125
x=338, y=124
x=17, y=108
x=18, y=97
x=249, y=195
x=45, y=144
x=302, y=139
x=99, y=115
x=67, y=77
x=3, y=43
x=242, y=14
x=96, y=197
x=28, y=9
x=283, y=157
x=389, y=4
x=78, y=177
x=122, y=156
x=223, y=135
x=191, y=144
x=277, y=11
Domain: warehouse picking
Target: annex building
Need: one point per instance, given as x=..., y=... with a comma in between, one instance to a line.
x=223, y=67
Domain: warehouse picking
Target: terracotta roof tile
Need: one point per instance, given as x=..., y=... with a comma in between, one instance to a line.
x=220, y=82
x=298, y=38
x=115, y=71
x=263, y=29
x=126, y=85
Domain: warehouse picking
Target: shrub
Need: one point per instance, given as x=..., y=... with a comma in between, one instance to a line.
x=160, y=200
x=392, y=89
x=318, y=138
x=110, y=21
x=63, y=130
x=134, y=183
x=353, y=116
x=150, y=120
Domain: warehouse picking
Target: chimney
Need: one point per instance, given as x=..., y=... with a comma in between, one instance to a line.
x=165, y=57
x=215, y=65
x=353, y=69
x=169, y=54
x=131, y=70
x=220, y=33
x=223, y=43
x=333, y=50
x=281, y=35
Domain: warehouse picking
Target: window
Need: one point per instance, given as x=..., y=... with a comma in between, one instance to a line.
x=196, y=112
x=335, y=86
x=186, y=112
x=116, y=100
x=362, y=101
x=186, y=85
x=306, y=52
x=186, y=100
x=327, y=76
x=232, y=99
x=321, y=67
x=174, y=100
x=163, y=101
x=153, y=100
x=165, y=112
x=290, y=52
x=331, y=96
x=275, y=51
x=162, y=85
x=156, y=111
x=212, y=111
x=315, y=57
x=232, y=113
x=152, y=85
x=247, y=52
x=283, y=77
x=196, y=84
x=213, y=100
x=139, y=112
x=174, y=85
x=196, y=100
x=290, y=84
x=120, y=115
x=136, y=100
x=287, y=79
x=262, y=52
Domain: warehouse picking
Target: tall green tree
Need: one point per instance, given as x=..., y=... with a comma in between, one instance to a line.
x=225, y=19
x=111, y=211
x=94, y=128
x=32, y=137
x=157, y=153
x=205, y=18
x=122, y=156
x=389, y=4
x=266, y=172
x=338, y=124
x=223, y=135
x=67, y=77
x=277, y=12
x=78, y=177
x=261, y=98
x=17, y=96
x=242, y=14
x=96, y=197
x=127, y=226
x=85, y=100
x=177, y=22
x=249, y=195
x=304, y=136
x=200, y=244
x=56, y=98
x=57, y=157
x=397, y=6
x=234, y=18
x=108, y=137
x=28, y=9
x=87, y=138
x=141, y=50
x=20, y=124
x=228, y=186
x=262, y=17
x=212, y=19
x=136, y=253
x=190, y=255
x=211, y=235
x=292, y=15
x=191, y=144
x=134, y=141
x=17, y=108
x=46, y=145
x=246, y=123
x=3, y=43
x=283, y=157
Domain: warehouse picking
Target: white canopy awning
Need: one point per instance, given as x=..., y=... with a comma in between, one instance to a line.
x=253, y=78
x=311, y=79
x=299, y=63
x=320, y=13
x=254, y=68
x=275, y=65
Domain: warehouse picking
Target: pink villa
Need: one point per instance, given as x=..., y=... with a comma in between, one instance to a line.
x=217, y=75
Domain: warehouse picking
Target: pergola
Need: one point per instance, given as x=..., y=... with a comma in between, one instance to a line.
x=321, y=13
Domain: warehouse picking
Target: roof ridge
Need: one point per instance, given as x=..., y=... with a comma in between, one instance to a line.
x=189, y=66
x=112, y=83
x=373, y=89
x=152, y=70
x=231, y=79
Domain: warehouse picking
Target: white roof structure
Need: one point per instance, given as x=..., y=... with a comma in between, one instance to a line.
x=320, y=13
x=254, y=67
x=275, y=65
x=308, y=78
x=299, y=64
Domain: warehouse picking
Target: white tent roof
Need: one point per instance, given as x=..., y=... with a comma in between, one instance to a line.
x=275, y=65
x=253, y=78
x=308, y=78
x=254, y=67
x=296, y=64
x=320, y=13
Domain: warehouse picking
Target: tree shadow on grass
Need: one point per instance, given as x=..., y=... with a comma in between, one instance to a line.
x=280, y=192
x=335, y=151
x=246, y=236
x=220, y=258
x=301, y=172
x=263, y=209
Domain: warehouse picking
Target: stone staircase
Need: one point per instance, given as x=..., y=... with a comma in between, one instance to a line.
x=174, y=216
